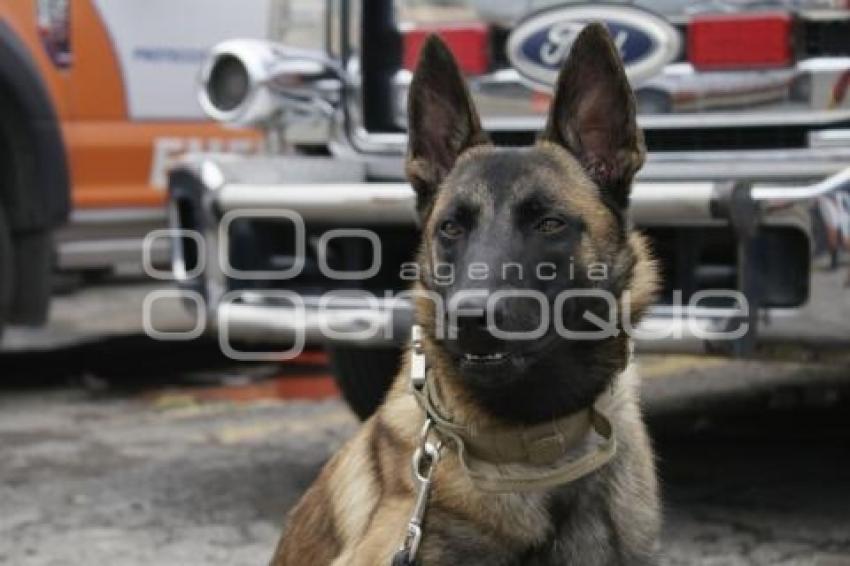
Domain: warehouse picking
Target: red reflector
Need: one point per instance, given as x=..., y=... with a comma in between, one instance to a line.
x=468, y=42
x=741, y=41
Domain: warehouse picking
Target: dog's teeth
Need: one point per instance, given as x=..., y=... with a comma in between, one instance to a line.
x=485, y=357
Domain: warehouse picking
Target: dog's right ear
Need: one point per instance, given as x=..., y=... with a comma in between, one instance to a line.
x=442, y=121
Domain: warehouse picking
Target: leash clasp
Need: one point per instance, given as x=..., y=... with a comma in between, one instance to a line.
x=423, y=463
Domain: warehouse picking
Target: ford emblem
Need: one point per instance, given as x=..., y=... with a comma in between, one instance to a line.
x=539, y=44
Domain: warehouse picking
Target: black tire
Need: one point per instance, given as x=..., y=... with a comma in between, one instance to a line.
x=364, y=375
x=33, y=269
x=7, y=275
x=32, y=247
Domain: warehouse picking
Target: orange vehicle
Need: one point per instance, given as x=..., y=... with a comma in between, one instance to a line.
x=96, y=98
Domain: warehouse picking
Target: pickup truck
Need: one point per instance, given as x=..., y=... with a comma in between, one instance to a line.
x=745, y=194
x=96, y=97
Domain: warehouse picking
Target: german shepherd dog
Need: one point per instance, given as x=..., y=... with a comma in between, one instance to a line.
x=555, y=215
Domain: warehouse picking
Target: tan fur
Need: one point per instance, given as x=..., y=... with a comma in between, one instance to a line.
x=370, y=528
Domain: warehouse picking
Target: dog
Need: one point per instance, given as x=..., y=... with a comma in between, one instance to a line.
x=535, y=452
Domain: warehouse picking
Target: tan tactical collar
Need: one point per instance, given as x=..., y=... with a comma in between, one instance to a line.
x=519, y=458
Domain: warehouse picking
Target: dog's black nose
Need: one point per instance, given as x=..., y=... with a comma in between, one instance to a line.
x=469, y=310
x=469, y=318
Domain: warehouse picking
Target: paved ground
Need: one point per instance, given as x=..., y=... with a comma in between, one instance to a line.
x=111, y=308
x=105, y=468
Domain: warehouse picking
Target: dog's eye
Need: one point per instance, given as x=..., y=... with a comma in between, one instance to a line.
x=550, y=225
x=451, y=229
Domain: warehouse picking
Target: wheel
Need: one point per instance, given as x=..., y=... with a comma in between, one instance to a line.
x=31, y=248
x=6, y=273
x=33, y=269
x=364, y=375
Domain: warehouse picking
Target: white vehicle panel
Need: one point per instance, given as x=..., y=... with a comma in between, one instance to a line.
x=160, y=45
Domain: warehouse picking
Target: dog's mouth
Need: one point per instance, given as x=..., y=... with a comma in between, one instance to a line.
x=490, y=359
x=493, y=370
x=515, y=360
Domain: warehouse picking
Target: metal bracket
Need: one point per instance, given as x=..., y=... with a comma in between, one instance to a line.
x=418, y=367
x=744, y=215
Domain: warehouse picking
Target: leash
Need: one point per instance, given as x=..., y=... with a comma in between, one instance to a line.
x=500, y=460
x=424, y=461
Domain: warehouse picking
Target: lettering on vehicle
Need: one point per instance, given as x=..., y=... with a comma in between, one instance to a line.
x=185, y=55
x=167, y=150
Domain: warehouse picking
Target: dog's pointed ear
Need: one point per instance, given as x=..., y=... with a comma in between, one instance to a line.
x=593, y=114
x=442, y=121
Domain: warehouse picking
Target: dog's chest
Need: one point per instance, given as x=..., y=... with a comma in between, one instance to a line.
x=579, y=532
x=540, y=529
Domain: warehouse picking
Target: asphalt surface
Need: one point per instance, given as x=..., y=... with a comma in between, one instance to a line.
x=116, y=454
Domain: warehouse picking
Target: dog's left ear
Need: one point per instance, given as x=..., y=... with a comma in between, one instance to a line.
x=442, y=121
x=593, y=114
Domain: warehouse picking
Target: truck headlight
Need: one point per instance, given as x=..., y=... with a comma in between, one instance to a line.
x=229, y=83
x=247, y=82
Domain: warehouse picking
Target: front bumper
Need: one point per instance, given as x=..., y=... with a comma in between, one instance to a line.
x=105, y=238
x=207, y=192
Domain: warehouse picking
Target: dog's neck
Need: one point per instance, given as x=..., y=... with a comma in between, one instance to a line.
x=554, y=389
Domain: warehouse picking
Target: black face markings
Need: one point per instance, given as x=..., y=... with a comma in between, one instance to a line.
x=539, y=212
x=534, y=220
x=463, y=212
x=531, y=221
x=532, y=208
x=516, y=188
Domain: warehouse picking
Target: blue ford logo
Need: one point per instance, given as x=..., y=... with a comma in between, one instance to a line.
x=538, y=45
